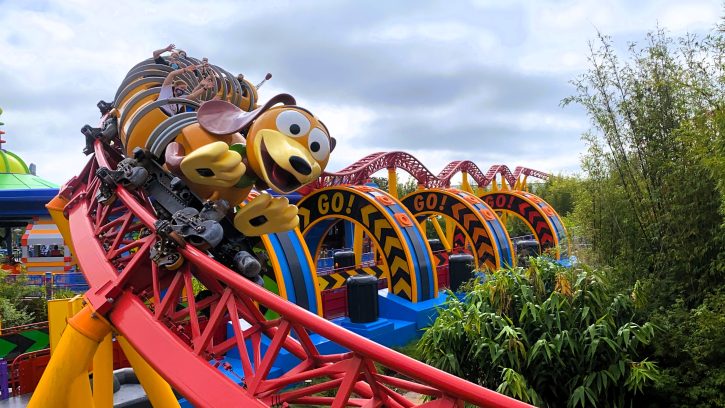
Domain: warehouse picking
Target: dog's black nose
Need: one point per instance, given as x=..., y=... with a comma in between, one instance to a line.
x=300, y=165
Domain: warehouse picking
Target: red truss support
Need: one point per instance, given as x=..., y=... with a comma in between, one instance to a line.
x=360, y=171
x=531, y=173
x=145, y=303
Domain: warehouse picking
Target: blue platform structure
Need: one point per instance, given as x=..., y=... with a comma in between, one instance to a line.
x=23, y=195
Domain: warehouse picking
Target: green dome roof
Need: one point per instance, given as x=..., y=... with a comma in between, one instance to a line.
x=15, y=174
x=12, y=163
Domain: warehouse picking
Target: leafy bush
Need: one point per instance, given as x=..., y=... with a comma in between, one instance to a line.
x=653, y=197
x=547, y=335
x=13, y=310
x=12, y=316
x=692, y=354
x=63, y=293
x=651, y=203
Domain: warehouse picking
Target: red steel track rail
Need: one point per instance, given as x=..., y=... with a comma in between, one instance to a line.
x=359, y=172
x=144, y=303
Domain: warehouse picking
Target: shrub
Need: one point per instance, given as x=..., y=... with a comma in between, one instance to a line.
x=547, y=335
x=13, y=310
x=692, y=354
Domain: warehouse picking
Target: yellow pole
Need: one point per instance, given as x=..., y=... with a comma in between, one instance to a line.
x=524, y=186
x=65, y=380
x=75, y=305
x=494, y=184
x=55, y=208
x=103, y=373
x=79, y=393
x=465, y=186
x=357, y=243
x=480, y=191
x=56, y=321
x=157, y=389
x=444, y=240
x=392, y=182
x=450, y=231
x=59, y=311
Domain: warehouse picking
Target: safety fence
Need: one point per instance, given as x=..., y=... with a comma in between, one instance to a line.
x=326, y=262
x=49, y=283
x=4, y=385
x=22, y=367
x=23, y=357
x=332, y=276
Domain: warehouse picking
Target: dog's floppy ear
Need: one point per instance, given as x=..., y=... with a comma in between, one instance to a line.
x=223, y=118
x=333, y=143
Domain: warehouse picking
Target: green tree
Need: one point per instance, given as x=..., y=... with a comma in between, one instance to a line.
x=653, y=199
x=407, y=187
x=693, y=354
x=560, y=192
x=548, y=335
x=404, y=188
x=382, y=182
x=651, y=204
x=515, y=226
x=14, y=311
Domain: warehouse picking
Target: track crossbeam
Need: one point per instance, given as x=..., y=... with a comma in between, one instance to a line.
x=180, y=337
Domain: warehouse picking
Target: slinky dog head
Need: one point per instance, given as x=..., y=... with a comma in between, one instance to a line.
x=287, y=147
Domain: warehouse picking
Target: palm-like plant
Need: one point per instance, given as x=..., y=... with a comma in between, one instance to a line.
x=547, y=335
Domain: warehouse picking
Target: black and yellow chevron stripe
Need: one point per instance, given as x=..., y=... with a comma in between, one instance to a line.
x=357, y=206
x=512, y=202
x=338, y=279
x=469, y=222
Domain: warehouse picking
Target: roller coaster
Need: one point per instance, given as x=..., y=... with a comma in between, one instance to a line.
x=145, y=239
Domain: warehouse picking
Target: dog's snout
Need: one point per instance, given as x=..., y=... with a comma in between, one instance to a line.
x=300, y=165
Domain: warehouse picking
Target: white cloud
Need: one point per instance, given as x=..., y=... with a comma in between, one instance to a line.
x=559, y=31
x=529, y=121
x=61, y=57
x=428, y=31
x=690, y=16
x=346, y=122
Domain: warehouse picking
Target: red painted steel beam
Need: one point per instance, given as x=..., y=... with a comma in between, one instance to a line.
x=360, y=171
x=121, y=283
x=451, y=384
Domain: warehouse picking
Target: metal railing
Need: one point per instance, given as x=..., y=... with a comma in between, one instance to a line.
x=326, y=264
x=50, y=283
x=25, y=371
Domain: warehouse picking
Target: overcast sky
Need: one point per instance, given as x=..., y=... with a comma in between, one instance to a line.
x=444, y=81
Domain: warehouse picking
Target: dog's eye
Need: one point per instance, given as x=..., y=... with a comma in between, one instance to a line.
x=319, y=144
x=293, y=123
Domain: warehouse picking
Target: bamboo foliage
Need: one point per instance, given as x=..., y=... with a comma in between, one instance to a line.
x=549, y=336
x=650, y=203
x=654, y=166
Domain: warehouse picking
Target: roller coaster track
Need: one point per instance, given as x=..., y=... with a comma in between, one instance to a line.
x=113, y=241
x=359, y=172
